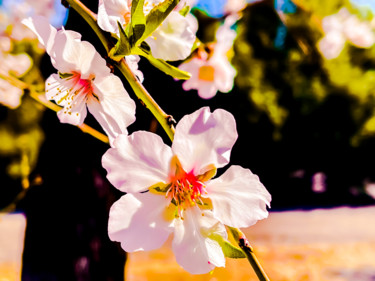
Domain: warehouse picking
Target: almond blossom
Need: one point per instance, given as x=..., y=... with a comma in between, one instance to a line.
x=341, y=27
x=172, y=40
x=211, y=71
x=11, y=64
x=171, y=190
x=83, y=81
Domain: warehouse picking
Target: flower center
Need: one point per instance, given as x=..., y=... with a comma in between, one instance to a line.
x=185, y=189
x=206, y=73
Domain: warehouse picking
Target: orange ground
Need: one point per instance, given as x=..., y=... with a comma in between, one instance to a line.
x=319, y=245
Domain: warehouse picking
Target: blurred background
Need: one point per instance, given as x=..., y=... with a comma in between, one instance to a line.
x=303, y=99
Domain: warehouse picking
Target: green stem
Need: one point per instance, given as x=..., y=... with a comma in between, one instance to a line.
x=244, y=244
x=145, y=97
x=164, y=119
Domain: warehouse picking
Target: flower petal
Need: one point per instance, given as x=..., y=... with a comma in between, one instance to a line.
x=111, y=106
x=136, y=220
x=10, y=95
x=203, y=138
x=69, y=54
x=194, y=250
x=174, y=39
x=76, y=113
x=137, y=162
x=43, y=30
x=239, y=199
x=110, y=12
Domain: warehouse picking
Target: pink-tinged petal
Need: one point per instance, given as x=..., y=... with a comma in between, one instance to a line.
x=72, y=55
x=174, y=39
x=17, y=65
x=207, y=90
x=239, y=199
x=331, y=44
x=10, y=95
x=132, y=61
x=111, y=105
x=55, y=89
x=43, y=30
x=224, y=74
x=112, y=11
x=90, y=62
x=137, y=221
x=194, y=250
x=204, y=138
x=75, y=112
x=137, y=162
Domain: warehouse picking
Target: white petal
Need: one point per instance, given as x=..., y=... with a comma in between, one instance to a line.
x=239, y=199
x=174, y=39
x=10, y=95
x=72, y=55
x=132, y=61
x=137, y=162
x=203, y=138
x=110, y=12
x=194, y=251
x=76, y=112
x=206, y=90
x=43, y=30
x=16, y=64
x=137, y=221
x=114, y=110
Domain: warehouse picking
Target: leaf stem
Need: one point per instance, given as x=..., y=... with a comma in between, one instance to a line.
x=244, y=244
x=164, y=119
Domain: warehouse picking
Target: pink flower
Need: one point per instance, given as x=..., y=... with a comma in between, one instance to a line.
x=212, y=72
x=170, y=190
x=11, y=64
x=341, y=27
x=83, y=81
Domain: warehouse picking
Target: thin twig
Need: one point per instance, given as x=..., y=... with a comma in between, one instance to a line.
x=42, y=100
x=244, y=244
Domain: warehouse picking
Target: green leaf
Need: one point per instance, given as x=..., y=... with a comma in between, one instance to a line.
x=184, y=11
x=229, y=250
x=138, y=22
x=163, y=65
x=157, y=15
x=122, y=47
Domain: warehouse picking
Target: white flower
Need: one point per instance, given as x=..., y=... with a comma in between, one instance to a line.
x=212, y=71
x=83, y=80
x=342, y=27
x=170, y=190
x=172, y=40
x=16, y=65
x=234, y=6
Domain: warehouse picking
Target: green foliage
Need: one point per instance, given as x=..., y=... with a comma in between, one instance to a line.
x=21, y=138
x=164, y=66
x=229, y=250
x=141, y=26
x=157, y=15
x=297, y=77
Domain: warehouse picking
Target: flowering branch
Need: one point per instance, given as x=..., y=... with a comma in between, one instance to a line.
x=163, y=118
x=42, y=100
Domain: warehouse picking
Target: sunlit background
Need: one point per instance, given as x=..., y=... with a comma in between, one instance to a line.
x=304, y=103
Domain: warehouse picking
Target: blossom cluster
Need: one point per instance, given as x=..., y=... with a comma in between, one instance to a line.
x=169, y=189
x=341, y=27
